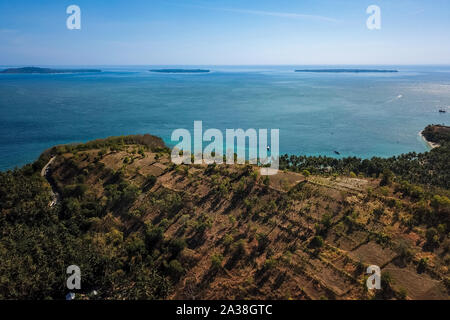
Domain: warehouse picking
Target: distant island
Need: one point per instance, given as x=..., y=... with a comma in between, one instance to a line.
x=46, y=70
x=180, y=70
x=347, y=70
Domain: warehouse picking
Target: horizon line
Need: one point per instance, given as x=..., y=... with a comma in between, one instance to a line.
x=230, y=65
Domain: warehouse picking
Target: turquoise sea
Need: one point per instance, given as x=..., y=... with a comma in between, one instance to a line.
x=360, y=115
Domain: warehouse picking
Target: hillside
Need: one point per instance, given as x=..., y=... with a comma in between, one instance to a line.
x=141, y=227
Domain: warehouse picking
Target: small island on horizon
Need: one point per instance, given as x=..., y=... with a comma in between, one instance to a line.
x=46, y=70
x=180, y=70
x=347, y=70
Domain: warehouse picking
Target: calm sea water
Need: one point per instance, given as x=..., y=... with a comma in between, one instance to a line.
x=360, y=115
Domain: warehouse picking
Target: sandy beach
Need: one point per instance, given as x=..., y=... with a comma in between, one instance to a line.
x=432, y=145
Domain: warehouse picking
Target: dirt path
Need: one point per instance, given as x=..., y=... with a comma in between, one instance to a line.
x=45, y=173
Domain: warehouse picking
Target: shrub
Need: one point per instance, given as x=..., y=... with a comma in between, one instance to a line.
x=441, y=228
x=417, y=192
x=382, y=238
x=153, y=236
x=316, y=242
x=326, y=221
x=203, y=223
x=211, y=169
x=324, y=225
x=402, y=294
x=175, y=269
x=135, y=246
x=227, y=240
x=422, y=265
x=386, y=281
x=384, y=191
x=216, y=261
x=386, y=180
x=164, y=224
x=440, y=203
x=176, y=246
x=360, y=268
x=129, y=194
x=239, y=247
x=269, y=264
x=150, y=181
x=404, y=251
x=432, y=236
x=240, y=189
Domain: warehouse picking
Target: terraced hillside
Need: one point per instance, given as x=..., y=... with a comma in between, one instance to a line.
x=225, y=232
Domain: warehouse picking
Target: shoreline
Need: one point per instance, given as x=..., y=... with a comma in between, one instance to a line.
x=430, y=144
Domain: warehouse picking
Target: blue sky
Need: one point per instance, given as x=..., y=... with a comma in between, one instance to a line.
x=224, y=32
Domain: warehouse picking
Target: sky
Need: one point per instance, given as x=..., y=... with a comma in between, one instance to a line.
x=224, y=32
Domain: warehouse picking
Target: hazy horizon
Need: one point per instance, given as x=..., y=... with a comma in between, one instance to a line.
x=230, y=65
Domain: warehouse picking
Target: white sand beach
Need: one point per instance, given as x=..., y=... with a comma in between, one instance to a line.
x=432, y=145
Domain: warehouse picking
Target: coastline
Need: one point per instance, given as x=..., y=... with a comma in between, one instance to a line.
x=430, y=144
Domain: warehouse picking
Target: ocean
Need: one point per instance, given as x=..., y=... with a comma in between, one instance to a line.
x=362, y=115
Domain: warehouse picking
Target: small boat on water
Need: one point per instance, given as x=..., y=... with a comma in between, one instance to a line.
x=442, y=111
x=337, y=152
